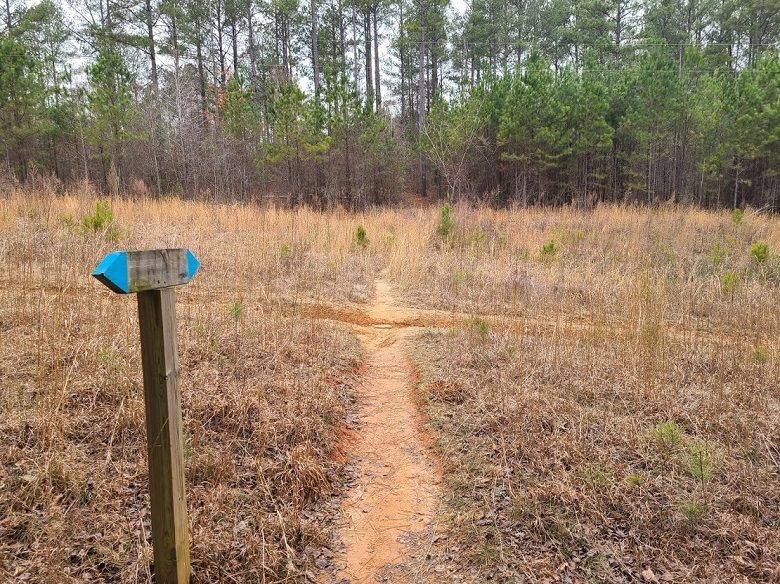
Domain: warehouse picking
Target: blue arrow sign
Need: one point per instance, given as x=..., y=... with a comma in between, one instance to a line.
x=126, y=272
x=192, y=265
x=112, y=272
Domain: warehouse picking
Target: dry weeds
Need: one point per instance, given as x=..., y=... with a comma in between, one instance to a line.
x=640, y=266
x=609, y=412
x=594, y=459
x=264, y=392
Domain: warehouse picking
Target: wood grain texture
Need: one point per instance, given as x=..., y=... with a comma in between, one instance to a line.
x=157, y=268
x=157, y=316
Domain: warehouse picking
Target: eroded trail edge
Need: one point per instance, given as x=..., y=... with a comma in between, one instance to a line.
x=397, y=483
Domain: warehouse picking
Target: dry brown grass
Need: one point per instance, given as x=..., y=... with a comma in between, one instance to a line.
x=617, y=416
x=571, y=411
x=596, y=459
x=264, y=391
x=639, y=266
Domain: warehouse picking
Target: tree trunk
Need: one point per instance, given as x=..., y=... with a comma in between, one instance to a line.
x=220, y=45
x=176, y=58
x=234, y=35
x=83, y=150
x=286, y=48
x=401, y=55
x=421, y=92
x=377, y=80
x=152, y=55
x=355, y=62
x=201, y=76
x=343, y=106
x=434, y=67
x=369, y=75
x=276, y=39
x=251, y=47
x=315, y=48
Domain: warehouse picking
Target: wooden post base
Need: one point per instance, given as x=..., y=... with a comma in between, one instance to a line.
x=157, y=317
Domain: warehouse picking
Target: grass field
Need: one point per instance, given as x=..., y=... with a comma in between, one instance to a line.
x=601, y=388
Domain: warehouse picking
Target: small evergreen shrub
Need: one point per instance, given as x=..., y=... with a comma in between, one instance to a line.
x=446, y=223
x=110, y=359
x=235, y=310
x=66, y=220
x=737, y=216
x=692, y=510
x=387, y=239
x=759, y=252
x=549, y=249
x=666, y=434
x=760, y=354
x=635, y=479
x=101, y=221
x=700, y=463
x=596, y=475
x=729, y=283
x=718, y=255
x=503, y=239
x=360, y=237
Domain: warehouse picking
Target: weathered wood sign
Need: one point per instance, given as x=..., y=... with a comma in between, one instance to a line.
x=153, y=274
x=126, y=272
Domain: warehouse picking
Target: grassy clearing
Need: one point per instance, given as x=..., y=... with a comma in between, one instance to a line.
x=607, y=412
x=610, y=412
x=581, y=456
x=264, y=392
x=670, y=266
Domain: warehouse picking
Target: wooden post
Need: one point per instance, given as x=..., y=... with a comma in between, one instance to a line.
x=157, y=319
x=152, y=275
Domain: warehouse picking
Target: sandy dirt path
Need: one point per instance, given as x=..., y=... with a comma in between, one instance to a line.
x=397, y=483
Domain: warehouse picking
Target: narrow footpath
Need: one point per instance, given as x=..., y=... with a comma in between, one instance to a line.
x=397, y=485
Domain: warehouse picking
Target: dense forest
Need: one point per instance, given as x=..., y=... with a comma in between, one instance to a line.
x=361, y=101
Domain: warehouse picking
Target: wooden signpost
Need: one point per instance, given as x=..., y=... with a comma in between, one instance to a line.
x=152, y=275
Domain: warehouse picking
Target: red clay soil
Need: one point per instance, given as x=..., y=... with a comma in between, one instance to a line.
x=397, y=487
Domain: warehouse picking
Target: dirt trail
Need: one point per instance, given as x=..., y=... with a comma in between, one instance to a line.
x=397, y=485
x=397, y=482
x=561, y=323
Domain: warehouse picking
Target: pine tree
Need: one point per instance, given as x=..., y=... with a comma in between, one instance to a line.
x=754, y=131
x=22, y=95
x=110, y=106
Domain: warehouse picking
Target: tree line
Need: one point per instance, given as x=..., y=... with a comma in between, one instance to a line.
x=359, y=101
